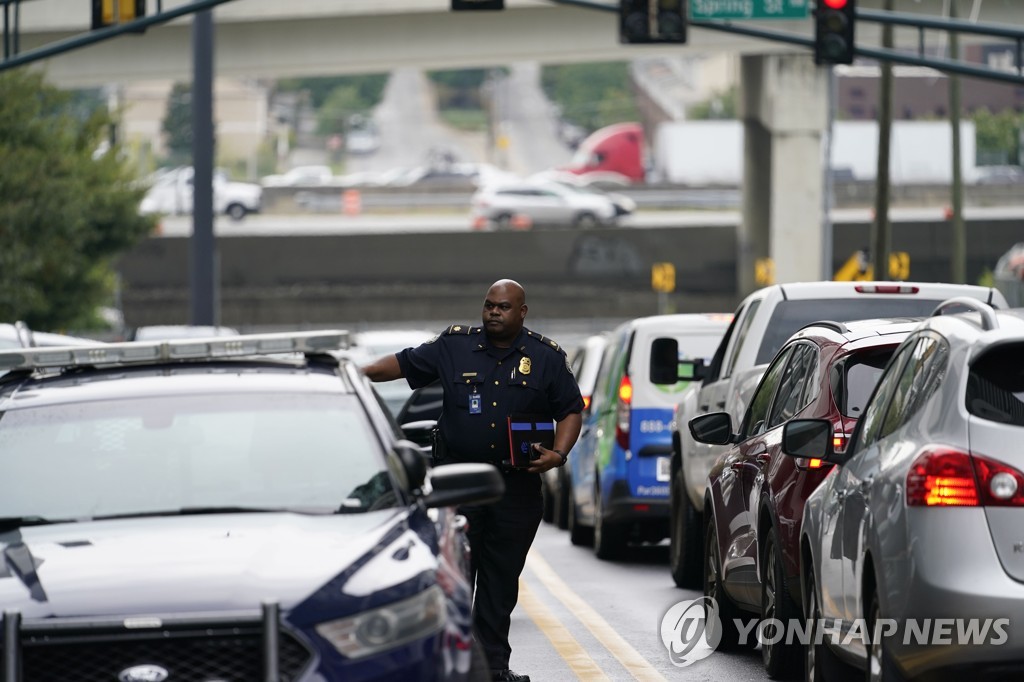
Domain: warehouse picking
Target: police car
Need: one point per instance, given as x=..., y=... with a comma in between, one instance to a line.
x=233, y=509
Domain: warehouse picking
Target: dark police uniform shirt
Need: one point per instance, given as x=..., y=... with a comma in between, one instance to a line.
x=532, y=376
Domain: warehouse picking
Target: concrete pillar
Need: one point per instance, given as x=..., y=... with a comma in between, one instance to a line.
x=784, y=105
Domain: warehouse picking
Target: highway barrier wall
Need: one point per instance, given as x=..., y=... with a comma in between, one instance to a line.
x=316, y=280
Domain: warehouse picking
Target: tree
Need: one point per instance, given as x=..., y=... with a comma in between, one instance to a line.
x=66, y=208
x=591, y=95
x=177, y=125
x=332, y=117
x=720, y=105
x=998, y=135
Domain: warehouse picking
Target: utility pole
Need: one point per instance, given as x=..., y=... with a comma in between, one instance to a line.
x=959, y=241
x=203, y=246
x=881, y=230
x=827, y=240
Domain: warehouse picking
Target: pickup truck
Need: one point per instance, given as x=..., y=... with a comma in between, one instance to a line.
x=762, y=323
x=171, y=194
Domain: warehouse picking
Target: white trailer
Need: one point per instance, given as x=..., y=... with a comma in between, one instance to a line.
x=708, y=153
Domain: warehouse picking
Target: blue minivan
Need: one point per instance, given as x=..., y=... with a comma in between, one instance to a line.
x=619, y=469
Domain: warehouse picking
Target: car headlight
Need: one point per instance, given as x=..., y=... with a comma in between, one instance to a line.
x=387, y=626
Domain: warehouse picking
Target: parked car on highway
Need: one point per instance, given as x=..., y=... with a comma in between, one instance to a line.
x=584, y=363
x=231, y=508
x=755, y=495
x=624, y=205
x=172, y=194
x=301, y=176
x=619, y=468
x=921, y=518
x=762, y=323
x=543, y=204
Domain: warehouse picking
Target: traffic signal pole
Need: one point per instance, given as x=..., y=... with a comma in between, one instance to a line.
x=958, y=257
x=202, y=246
x=881, y=229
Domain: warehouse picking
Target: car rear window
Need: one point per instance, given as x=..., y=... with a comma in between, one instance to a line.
x=855, y=379
x=995, y=385
x=791, y=315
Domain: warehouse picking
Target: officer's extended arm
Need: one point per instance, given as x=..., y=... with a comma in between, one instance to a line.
x=566, y=433
x=386, y=369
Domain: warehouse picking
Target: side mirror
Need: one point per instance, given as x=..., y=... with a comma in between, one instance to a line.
x=419, y=431
x=466, y=483
x=808, y=438
x=413, y=462
x=664, y=369
x=714, y=428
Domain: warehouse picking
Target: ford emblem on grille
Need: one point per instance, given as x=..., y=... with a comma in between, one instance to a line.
x=143, y=673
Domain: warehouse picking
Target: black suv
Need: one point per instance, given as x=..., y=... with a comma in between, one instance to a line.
x=233, y=509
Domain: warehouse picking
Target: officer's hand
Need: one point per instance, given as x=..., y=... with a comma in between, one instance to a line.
x=548, y=459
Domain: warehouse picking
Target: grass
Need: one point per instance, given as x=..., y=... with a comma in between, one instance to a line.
x=469, y=120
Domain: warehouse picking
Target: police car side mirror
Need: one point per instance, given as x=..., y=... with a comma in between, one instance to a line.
x=464, y=483
x=414, y=464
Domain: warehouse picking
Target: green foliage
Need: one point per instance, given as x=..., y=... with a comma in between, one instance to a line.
x=370, y=88
x=460, y=89
x=177, y=125
x=720, y=105
x=997, y=135
x=343, y=103
x=591, y=95
x=64, y=215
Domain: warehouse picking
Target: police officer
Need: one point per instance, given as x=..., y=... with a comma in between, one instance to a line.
x=489, y=373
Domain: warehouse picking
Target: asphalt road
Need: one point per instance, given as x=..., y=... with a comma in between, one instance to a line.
x=583, y=618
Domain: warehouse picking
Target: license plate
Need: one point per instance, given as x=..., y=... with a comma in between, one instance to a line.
x=664, y=470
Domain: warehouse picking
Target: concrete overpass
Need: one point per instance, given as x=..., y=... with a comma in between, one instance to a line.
x=282, y=38
x=784, y=94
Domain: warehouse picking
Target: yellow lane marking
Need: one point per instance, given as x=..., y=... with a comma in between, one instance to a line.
x=630, y=659
x=582, y=665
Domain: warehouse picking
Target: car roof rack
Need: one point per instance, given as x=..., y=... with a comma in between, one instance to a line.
x=988, y=315
x=149, y=352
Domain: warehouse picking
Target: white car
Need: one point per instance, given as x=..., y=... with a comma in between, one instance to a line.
x=171, y=194
x=528, y=204
x=301, y=176
x=624, y=205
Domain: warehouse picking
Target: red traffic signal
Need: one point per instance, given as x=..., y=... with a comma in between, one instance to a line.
x=835, y=4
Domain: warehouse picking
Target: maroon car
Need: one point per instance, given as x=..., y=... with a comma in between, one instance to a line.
x=755, y=495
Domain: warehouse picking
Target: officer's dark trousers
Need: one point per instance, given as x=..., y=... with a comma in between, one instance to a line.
x=500, y=536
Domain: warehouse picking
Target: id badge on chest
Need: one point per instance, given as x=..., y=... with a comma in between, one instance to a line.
x=474, y=403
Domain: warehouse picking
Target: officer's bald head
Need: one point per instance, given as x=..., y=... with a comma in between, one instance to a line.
x=504, y=311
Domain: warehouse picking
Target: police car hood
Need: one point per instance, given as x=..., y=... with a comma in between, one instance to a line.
x=185, y=563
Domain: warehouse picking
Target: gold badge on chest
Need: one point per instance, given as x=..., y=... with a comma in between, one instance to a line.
x=524, y=365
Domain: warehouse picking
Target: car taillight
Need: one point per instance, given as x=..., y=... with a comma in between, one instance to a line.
x=623, y=412
x=885, y=289
x=1000, y=485
x=941, y=477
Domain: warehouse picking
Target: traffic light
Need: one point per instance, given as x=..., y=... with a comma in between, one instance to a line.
x=461, y=5
x=652, y=21
x=110, y=12
x=833, y=31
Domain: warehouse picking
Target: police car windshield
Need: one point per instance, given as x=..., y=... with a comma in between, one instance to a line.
x=308, y=453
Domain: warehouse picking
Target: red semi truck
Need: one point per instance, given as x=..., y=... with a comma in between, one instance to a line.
x=613, y=154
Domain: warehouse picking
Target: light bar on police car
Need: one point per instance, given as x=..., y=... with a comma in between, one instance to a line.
x=139, y=352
